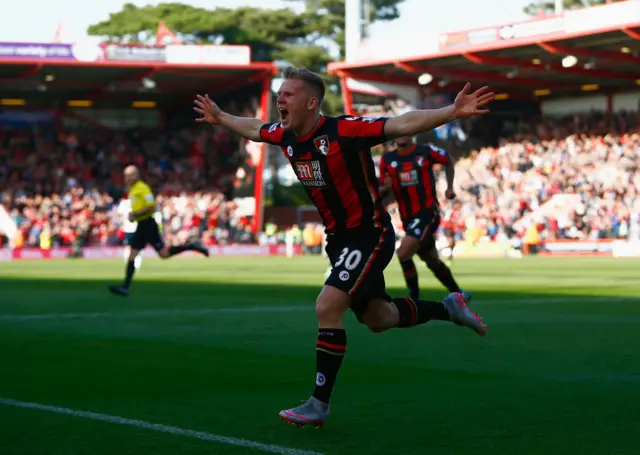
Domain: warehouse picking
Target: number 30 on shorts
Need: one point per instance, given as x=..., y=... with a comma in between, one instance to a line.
x=351, y=259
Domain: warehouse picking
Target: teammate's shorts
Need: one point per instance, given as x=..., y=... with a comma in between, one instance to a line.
x=423, y=226
x=147, y=233
x=358, y=259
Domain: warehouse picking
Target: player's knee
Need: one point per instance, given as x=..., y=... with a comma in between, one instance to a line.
x=331, y=305
x=132, y=255
x=408, y=248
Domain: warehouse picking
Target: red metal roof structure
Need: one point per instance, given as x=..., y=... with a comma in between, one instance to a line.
x=526, y=59
x=60, y=76
x=46, y=72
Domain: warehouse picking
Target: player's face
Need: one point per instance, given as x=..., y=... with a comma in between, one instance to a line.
x=294, y=104
x=129, y=178
x=404, y=141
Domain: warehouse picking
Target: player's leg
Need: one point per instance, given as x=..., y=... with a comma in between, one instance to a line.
x=384, y=313
x=331, y=346
x=352, y=257
x=429, y=254
x=138, y=242
x=127, y=251
x=409, y=246
x=165, y=251
x=168, y=251
x=379, y=312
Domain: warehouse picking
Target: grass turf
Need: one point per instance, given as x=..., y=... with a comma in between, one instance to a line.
x=221, y=345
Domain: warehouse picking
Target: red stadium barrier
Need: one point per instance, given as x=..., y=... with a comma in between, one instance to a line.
x=107, y=252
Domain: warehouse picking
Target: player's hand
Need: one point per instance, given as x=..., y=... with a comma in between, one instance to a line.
x=467, y=104
x=450, y=194
x=209, y=110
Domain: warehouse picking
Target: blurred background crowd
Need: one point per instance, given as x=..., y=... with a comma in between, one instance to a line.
x=551, y=178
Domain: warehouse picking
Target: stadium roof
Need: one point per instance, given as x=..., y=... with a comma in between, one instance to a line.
x=61, y=79
x=527, y=58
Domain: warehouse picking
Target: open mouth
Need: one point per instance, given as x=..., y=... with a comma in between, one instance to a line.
x=284, y=113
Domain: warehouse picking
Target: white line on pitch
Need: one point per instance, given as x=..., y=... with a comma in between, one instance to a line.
x=269, y=448
x=274, y=309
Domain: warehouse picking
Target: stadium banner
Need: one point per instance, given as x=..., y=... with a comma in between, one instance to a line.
x=585, y=20
x=208, y=54
x=602, y=247
x=117, y=252
x=53, y=51
x=134, y=53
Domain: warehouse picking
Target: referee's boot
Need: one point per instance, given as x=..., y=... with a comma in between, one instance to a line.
x=460, y=314
x=120, y=290
x=311, y=412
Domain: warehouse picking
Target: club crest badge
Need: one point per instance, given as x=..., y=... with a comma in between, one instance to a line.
x=322, y=144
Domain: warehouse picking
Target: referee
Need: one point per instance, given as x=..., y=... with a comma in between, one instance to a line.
x=143, y=207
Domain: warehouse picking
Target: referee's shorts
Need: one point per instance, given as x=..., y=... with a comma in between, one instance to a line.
x=147, y=233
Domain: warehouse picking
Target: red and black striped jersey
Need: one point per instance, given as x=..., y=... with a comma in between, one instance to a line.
x=412, y=179
x=333, y=162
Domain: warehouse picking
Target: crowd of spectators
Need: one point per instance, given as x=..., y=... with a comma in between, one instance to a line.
x=573, y=177
x=63, y=186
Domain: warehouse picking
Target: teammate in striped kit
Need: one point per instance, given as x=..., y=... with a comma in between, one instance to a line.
x=332, y=158
x=407, y=171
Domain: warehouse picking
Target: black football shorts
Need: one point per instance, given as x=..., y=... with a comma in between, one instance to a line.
x=147, y=233
x=358, y=259
x=423, y=226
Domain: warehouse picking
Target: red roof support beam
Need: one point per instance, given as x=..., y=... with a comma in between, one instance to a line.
x=631, y=33
x=599, y=73
x=558, y=49
x=483, y=76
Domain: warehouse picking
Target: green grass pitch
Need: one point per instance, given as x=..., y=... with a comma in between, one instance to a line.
x=220, y=345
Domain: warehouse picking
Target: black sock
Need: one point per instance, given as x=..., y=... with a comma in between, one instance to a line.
x=131, y=268
x=411, y=278
x=443, y=274
x=173, y=250
x=330, y=349
x=419, y=312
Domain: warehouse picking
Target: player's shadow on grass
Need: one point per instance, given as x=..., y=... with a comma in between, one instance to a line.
x=39, y=292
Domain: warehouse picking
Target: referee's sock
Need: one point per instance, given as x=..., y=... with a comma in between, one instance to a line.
x=188, y=247
x=131, y=269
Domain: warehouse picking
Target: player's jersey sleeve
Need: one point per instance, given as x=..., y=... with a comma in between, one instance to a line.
x=272, y=133
x=366, y=132
x=436, y=154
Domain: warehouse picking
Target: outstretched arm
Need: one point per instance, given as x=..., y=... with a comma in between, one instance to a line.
x=416, y=122
x=246, y=127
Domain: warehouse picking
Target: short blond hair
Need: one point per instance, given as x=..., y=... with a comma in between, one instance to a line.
x=313, y=80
